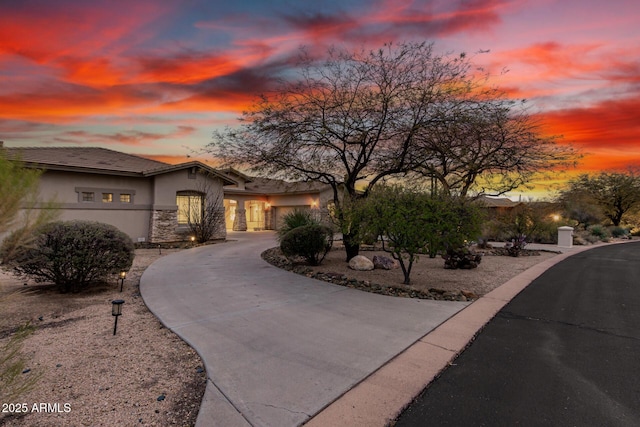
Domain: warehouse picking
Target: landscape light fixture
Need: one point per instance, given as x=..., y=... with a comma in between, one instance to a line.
x=123, y=275
x=116, y=310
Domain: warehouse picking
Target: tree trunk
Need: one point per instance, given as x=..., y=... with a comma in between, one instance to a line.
x=351, y=246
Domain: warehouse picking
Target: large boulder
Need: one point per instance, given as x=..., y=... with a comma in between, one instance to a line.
x=384, y=263
x=360, y=263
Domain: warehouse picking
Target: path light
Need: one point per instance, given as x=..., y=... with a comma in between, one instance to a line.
x=123, y=275
x=116, y=310
x=193, y=239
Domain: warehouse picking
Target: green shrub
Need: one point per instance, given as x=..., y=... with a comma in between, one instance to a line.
x=73, y=254
x=618, y=231
x=311, y=242
x=599, y=232
x=295, y=219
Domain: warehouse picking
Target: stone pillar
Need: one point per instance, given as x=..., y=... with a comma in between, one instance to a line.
x=163, y=226
x=240, y=221
x=565, y=237
x=268, y=218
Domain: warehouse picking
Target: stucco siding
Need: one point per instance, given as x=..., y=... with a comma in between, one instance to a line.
x=63, y=186
x=134, y=223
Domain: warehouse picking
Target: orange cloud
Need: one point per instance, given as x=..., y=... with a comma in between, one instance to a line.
x=607, y=133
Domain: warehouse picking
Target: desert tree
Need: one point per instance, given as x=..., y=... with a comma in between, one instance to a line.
x=615, y=193
x=410, y=222
x=17, y=185
x=349, y=121
x=21, y=210
x=580, y=207
x=482, y=142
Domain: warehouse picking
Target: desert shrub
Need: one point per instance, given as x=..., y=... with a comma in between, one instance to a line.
x=462, y=257
x=311, y=242
x=12, y=365
x=599, y=231
x=516, y=246
x=618, y=231
x=73, y=254
x=295, y=219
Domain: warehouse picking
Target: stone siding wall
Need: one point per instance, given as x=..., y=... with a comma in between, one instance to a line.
x=164, y=224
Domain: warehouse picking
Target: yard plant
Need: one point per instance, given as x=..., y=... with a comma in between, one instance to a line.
x=411, y=223
x=73, y=254
x=311, y=242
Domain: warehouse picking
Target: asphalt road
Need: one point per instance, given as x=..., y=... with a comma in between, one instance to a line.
x=564, y=352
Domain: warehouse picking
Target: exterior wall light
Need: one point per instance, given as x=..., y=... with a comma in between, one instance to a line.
x=123, y=275
x=116, y=310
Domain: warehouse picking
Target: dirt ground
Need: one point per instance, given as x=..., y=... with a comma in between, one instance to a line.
x=146, y=375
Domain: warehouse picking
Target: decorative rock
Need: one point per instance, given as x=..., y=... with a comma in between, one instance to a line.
x=360, y=263
x=384, y=263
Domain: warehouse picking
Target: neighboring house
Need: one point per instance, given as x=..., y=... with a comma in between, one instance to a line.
x=152, y=201
x=497, y=205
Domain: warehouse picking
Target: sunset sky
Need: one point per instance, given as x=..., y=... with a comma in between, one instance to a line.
x=155, y=78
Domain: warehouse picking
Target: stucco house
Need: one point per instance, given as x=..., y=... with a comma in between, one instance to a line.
x=151, y=200
x=496, y=206
x=261, y=203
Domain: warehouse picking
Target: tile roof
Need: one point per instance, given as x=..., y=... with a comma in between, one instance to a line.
x=496, y=202
x=278, y=186
x=94, y=158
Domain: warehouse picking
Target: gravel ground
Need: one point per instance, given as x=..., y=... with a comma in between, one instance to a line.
x=429, y=278
x=144, y=375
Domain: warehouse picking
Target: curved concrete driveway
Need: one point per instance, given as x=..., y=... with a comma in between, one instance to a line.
x=277, y=347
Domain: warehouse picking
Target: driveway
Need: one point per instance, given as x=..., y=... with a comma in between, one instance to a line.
x=278, y=347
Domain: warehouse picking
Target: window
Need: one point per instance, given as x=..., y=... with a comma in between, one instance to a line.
x=125, y=198
x=87, y=196
x=189, y=208
x=107, y=197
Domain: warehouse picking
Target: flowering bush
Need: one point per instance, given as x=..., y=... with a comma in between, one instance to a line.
x=516, y=245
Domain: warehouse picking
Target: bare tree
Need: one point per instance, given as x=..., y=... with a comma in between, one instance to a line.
x=348, y=122
x=204, y=212
x=485, y=143
x=360, y=118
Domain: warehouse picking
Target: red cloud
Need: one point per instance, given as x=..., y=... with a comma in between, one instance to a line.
x=607, y=133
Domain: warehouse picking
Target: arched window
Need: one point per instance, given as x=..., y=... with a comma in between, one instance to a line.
x=190, y=206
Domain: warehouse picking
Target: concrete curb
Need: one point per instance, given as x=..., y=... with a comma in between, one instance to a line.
x=383, y=395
